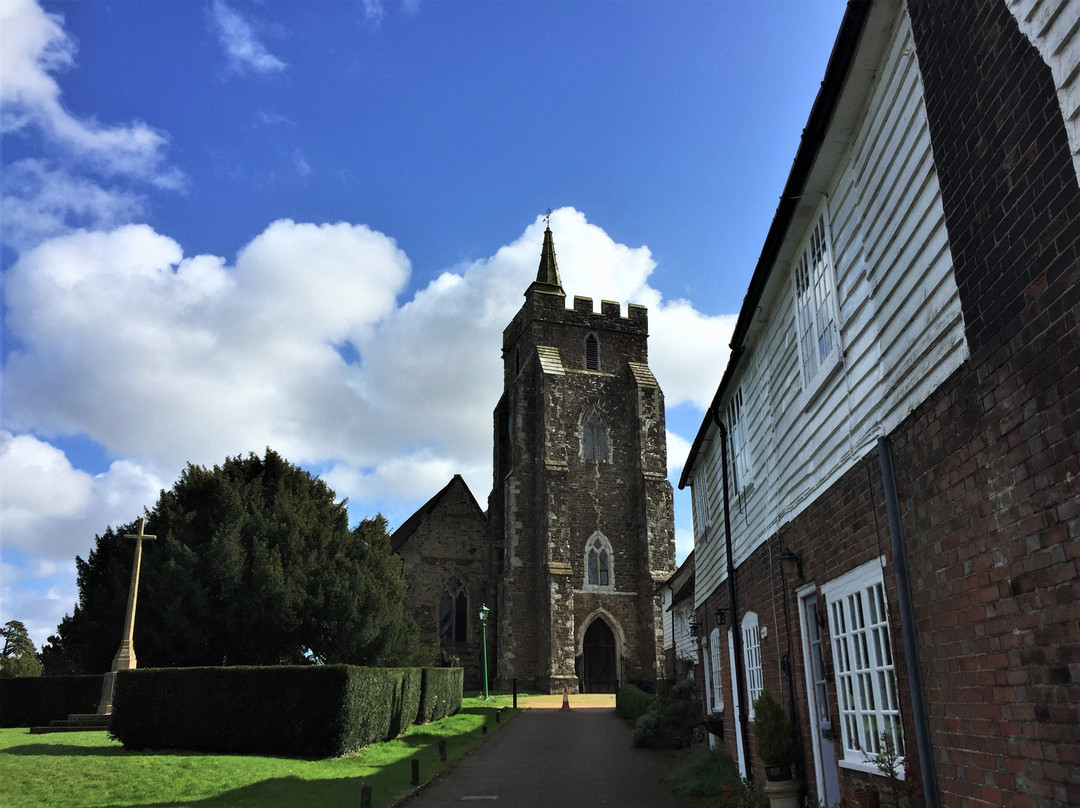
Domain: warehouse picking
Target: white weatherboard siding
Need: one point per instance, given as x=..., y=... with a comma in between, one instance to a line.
x=685, y=645
x=900, y=324
x=1053, y=26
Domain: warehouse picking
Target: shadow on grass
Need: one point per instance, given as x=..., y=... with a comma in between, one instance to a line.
x=285, y=792
x=71, y=750
x=389, y=780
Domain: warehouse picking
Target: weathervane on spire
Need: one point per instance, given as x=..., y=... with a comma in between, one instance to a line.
x=547, y=219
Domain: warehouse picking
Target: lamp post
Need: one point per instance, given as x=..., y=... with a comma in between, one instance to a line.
x=483, y=646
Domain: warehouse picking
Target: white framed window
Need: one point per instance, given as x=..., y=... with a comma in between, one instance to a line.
x=715, y=670
x=752, y=658
x=816, y=315
x=740, y=453
x=863, y=664
x=599, y=573
x=699, y=488
x=594, y=438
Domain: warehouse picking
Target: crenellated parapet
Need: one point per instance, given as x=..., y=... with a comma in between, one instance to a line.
x=635, y=313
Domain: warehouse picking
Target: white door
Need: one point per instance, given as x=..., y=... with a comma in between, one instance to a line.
x=821, y=724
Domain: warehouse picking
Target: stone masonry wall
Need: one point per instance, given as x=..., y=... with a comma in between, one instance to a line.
x=451, y=543
x=554, y=500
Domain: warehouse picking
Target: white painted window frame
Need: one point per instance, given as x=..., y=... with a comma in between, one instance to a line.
x=751, y=633
x=716, y=671
x=699, y=489
x=740, y=450
x=815, y=306
x=864, y=667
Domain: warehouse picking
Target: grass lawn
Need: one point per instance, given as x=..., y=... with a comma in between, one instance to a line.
x=89, y=770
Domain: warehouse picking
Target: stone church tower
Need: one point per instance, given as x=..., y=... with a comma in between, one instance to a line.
x=581, y=508
x=579, y=530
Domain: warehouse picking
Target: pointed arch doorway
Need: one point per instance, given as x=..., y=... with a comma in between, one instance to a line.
x=599, y=670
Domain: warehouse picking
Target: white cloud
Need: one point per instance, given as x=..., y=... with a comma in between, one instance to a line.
x=237, y=37
x=683, y=341
x=177, y=359
x=40, y=202
x=301, y=345
x=678, y=448
x=37, y=482
x=374, y=11
x=49, y=194
x=684, y=543
x=180, y=359
x=39, y=599
x=35, y=47
x=265, y=118
x=50, y=511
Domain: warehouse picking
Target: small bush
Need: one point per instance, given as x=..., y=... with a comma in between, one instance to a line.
x=670, y=723
x=631, y=702
x=705, y=775
x=37, y=700
x=774, y=734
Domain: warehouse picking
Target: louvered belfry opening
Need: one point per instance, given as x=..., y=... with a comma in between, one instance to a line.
x=592, y=352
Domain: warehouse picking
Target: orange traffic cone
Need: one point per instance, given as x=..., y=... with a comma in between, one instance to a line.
x=565, y=698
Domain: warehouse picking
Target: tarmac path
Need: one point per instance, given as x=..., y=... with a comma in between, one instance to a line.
x=553, y=758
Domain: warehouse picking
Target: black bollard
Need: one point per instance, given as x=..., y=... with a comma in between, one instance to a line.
x=515, y=694
x=483, y=730
x=442, y=751
x=415, y=772
x=365, y=797
x=498, y=716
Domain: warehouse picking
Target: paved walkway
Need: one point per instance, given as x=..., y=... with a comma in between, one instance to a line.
x=552, y=758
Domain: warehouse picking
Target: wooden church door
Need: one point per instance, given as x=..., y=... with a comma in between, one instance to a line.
x=598, y=661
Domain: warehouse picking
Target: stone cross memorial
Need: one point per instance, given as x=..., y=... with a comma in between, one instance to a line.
x=125, y=657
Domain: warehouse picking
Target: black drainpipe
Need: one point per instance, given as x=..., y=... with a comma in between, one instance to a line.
x=907, y=626
x=740, y=676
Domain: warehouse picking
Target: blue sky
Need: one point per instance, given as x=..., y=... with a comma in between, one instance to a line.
x=304, y=225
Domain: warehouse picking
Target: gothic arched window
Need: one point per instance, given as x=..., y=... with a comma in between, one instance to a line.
x=594, y=438
x=598, y=560
x=454, y=613
x=592, y=352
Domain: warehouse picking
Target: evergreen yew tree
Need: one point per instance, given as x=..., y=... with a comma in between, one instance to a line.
x=18, y=657
x=254, y=564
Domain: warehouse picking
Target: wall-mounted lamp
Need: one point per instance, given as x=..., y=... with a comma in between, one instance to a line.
x=790, y=563
x=721, y=615
x=695, y=627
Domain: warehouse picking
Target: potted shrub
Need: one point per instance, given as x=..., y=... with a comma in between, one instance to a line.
x=776, y=744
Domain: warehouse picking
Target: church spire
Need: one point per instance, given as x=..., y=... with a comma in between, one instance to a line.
x=548, y=273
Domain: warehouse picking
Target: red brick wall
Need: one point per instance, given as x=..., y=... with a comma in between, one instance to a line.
x=844, y=528
x=988, y=468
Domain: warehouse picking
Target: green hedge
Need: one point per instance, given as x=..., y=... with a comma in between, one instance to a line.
x=301, y=711
x=631, y=702
x=440, y=694
x=32, y=701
